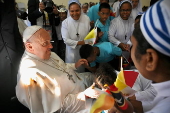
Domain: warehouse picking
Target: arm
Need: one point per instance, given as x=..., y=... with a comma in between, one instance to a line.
x=54, y=17
x=33, y=11
x=111, y=34
x=66, y=37
x=145, y=91
x=116, y=50
x=34, y=92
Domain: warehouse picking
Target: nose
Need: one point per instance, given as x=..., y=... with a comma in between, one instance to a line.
x=50, y=46
x=105, y=16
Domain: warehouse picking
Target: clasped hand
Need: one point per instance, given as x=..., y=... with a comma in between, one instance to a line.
x=80, y=62
x=124, y=47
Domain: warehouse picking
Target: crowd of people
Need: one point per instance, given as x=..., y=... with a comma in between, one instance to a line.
x=50, y=68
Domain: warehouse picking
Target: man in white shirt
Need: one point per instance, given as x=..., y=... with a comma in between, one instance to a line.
x=45, y=83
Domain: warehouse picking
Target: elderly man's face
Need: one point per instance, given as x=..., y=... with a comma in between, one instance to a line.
x=42, y=44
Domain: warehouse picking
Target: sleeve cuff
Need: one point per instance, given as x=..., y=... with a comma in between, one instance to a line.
x=117, y=43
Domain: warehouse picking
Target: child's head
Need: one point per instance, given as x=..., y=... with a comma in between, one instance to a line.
x=88, y=52
x=98, y=35
x=62, y=13
x=105, y=74
x=104, y=11
x=85, y=7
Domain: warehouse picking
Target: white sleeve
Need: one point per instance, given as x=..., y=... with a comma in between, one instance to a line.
x=67, y=66
x=130, y=43
x=112, y=31
x=65, y=35
x=39, y=95
x=145, y=91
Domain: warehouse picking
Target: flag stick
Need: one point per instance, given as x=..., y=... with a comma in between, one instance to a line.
x=121, y=67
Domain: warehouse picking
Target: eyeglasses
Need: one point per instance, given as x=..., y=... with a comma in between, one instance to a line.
x=104, y=13
x=127, y=10
x=46, y=43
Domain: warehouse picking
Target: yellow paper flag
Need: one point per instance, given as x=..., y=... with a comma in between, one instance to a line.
x=120, y=81
x=91, y=37
x=104, y=102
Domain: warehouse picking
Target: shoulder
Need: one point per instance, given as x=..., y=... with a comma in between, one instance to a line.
x=65, y=22
x=95, y=6
x=85, y=17
x=114, y=20
x=54, y=55
x=102, y=44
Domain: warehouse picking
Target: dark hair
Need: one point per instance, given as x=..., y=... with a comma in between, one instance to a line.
x=143, y=45
x=104, y=5
x=85, y=51
x=73, y=4
x=105, y=74
x=138, y=17
x=85, y=4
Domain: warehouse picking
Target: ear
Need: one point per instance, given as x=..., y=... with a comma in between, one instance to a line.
x=95, y=51
x=29, y=46
x=151, y=59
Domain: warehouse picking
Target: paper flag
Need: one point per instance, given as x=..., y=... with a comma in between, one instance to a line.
x=91, y=37
x=103, y=102
x=125, y=79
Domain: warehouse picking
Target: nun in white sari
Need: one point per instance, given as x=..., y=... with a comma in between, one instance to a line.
x=74, y=29
x=137, y=7
x=120, y=28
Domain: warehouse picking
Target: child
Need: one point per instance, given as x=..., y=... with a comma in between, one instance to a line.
x=105, y=78
x=85, y=8
x=103, y=22
x=100, y=53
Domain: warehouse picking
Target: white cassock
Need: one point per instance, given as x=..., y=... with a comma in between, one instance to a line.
x=44, y=87
x=120, y=31
x=136, y=10
x=69, y=29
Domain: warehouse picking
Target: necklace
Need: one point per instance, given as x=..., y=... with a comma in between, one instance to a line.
x=58, y=67
x=125, y=29
x=77, y=28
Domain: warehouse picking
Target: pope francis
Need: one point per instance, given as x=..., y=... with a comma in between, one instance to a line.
x=45, y=84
